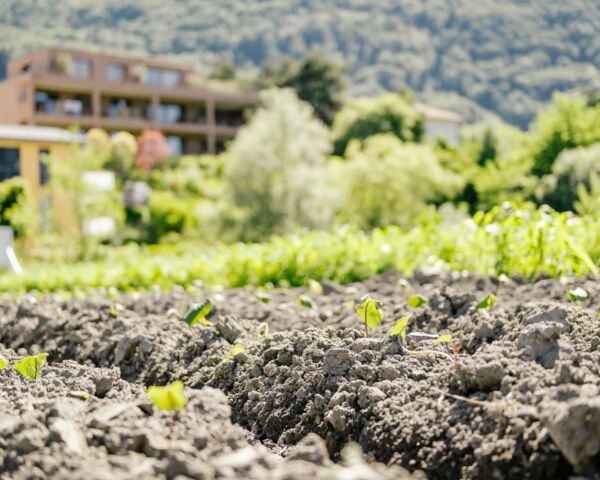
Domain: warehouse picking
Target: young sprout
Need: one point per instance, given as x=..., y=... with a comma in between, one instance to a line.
x=488, y=302
x=168, y=398
x=3, y=362
x=577, y=295
x=262, y=331
x=314, y=286
x=263, y=297
x=237, y=349
x=306, y=301
x=443, y=339
x=199, y=314
x=403, y=283
x=400, y=328
x=31, y=367
x=416, y=301
x=80, y=394
x=370, y=313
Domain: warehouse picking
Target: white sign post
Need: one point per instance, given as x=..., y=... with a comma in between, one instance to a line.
x=8, y=257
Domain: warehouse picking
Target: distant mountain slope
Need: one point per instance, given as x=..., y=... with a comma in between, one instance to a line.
x=504, y=56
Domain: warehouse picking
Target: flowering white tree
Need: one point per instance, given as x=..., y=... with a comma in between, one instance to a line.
x=277, y=166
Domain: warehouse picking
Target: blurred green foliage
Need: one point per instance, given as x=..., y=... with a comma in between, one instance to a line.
x=384, y=182
x=525, y=243
x=18, y=208
x=387, y=113
x=275, y=168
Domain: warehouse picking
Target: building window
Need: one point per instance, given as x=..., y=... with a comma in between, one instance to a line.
x=81, y=68
x=176, y=144
x=9, y=163
x=118, y=108
x=115, y=72
x=45, y=102
x=158, y=77
x=44, y=168
x=170, y=113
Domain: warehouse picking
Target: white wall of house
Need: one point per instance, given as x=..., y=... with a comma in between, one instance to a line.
x=449, y=131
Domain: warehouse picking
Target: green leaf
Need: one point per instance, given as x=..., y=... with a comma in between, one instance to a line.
x=198, y=314
x=400, y=328
x=488, y=302
x=416, y=301
x=80, y=394
x=3, y=362
x=314, y=286
x=263, y=297
x=443, y=339
x=31, y=367
x=369, y=311
x=577, y=295
x=306, y=301
x=168, y=398
x=237, y=348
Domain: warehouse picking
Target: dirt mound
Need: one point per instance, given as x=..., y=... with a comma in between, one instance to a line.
x=518, y=395
x=85, y=422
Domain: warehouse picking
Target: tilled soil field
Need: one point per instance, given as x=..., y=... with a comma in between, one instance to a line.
x=517, y=395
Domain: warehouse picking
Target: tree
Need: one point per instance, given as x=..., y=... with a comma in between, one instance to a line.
x=152, y=149
x=569, y=122
x=276, y=168
x=388, y=113
x=315, y=79
x=385, y=181
x=223, y=71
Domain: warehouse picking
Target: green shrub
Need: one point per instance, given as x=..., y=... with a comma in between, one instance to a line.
x=385, y=181
x=168, y=214
x=388, y=113
x=571, y=169
x=18, y=208
x=568, y=123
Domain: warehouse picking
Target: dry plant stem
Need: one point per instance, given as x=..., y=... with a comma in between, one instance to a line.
x=480, y=403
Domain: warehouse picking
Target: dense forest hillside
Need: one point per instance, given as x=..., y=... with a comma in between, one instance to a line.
x=473, y=55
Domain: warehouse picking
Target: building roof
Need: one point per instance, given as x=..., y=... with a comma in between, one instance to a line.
x=30, y=133
x=432, y=113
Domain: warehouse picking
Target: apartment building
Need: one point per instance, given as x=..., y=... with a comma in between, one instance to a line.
x=59, y=87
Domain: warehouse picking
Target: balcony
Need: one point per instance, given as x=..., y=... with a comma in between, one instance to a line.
x=63, y=104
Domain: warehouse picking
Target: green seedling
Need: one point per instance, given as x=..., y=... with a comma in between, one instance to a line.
x=443, y=339
x=488, y=302
x=369, y=311
x=306, y=301
x=314, y=286
x=3, y=362
x=168, y=398
x=416, y=301
x=237, y=349
x=31, y=367
x=400, y=328
x=199, y=314
x=577, y=295
x=80, y=394
x=262, y=331
x=263, y=297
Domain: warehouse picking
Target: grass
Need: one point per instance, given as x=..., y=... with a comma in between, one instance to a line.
x=522, y=243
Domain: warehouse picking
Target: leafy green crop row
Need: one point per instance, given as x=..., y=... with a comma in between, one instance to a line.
x=522, y=243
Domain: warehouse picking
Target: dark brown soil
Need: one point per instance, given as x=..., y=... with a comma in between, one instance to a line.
x=516, y=396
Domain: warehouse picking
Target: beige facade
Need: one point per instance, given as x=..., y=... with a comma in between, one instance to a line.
x=62, y=88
